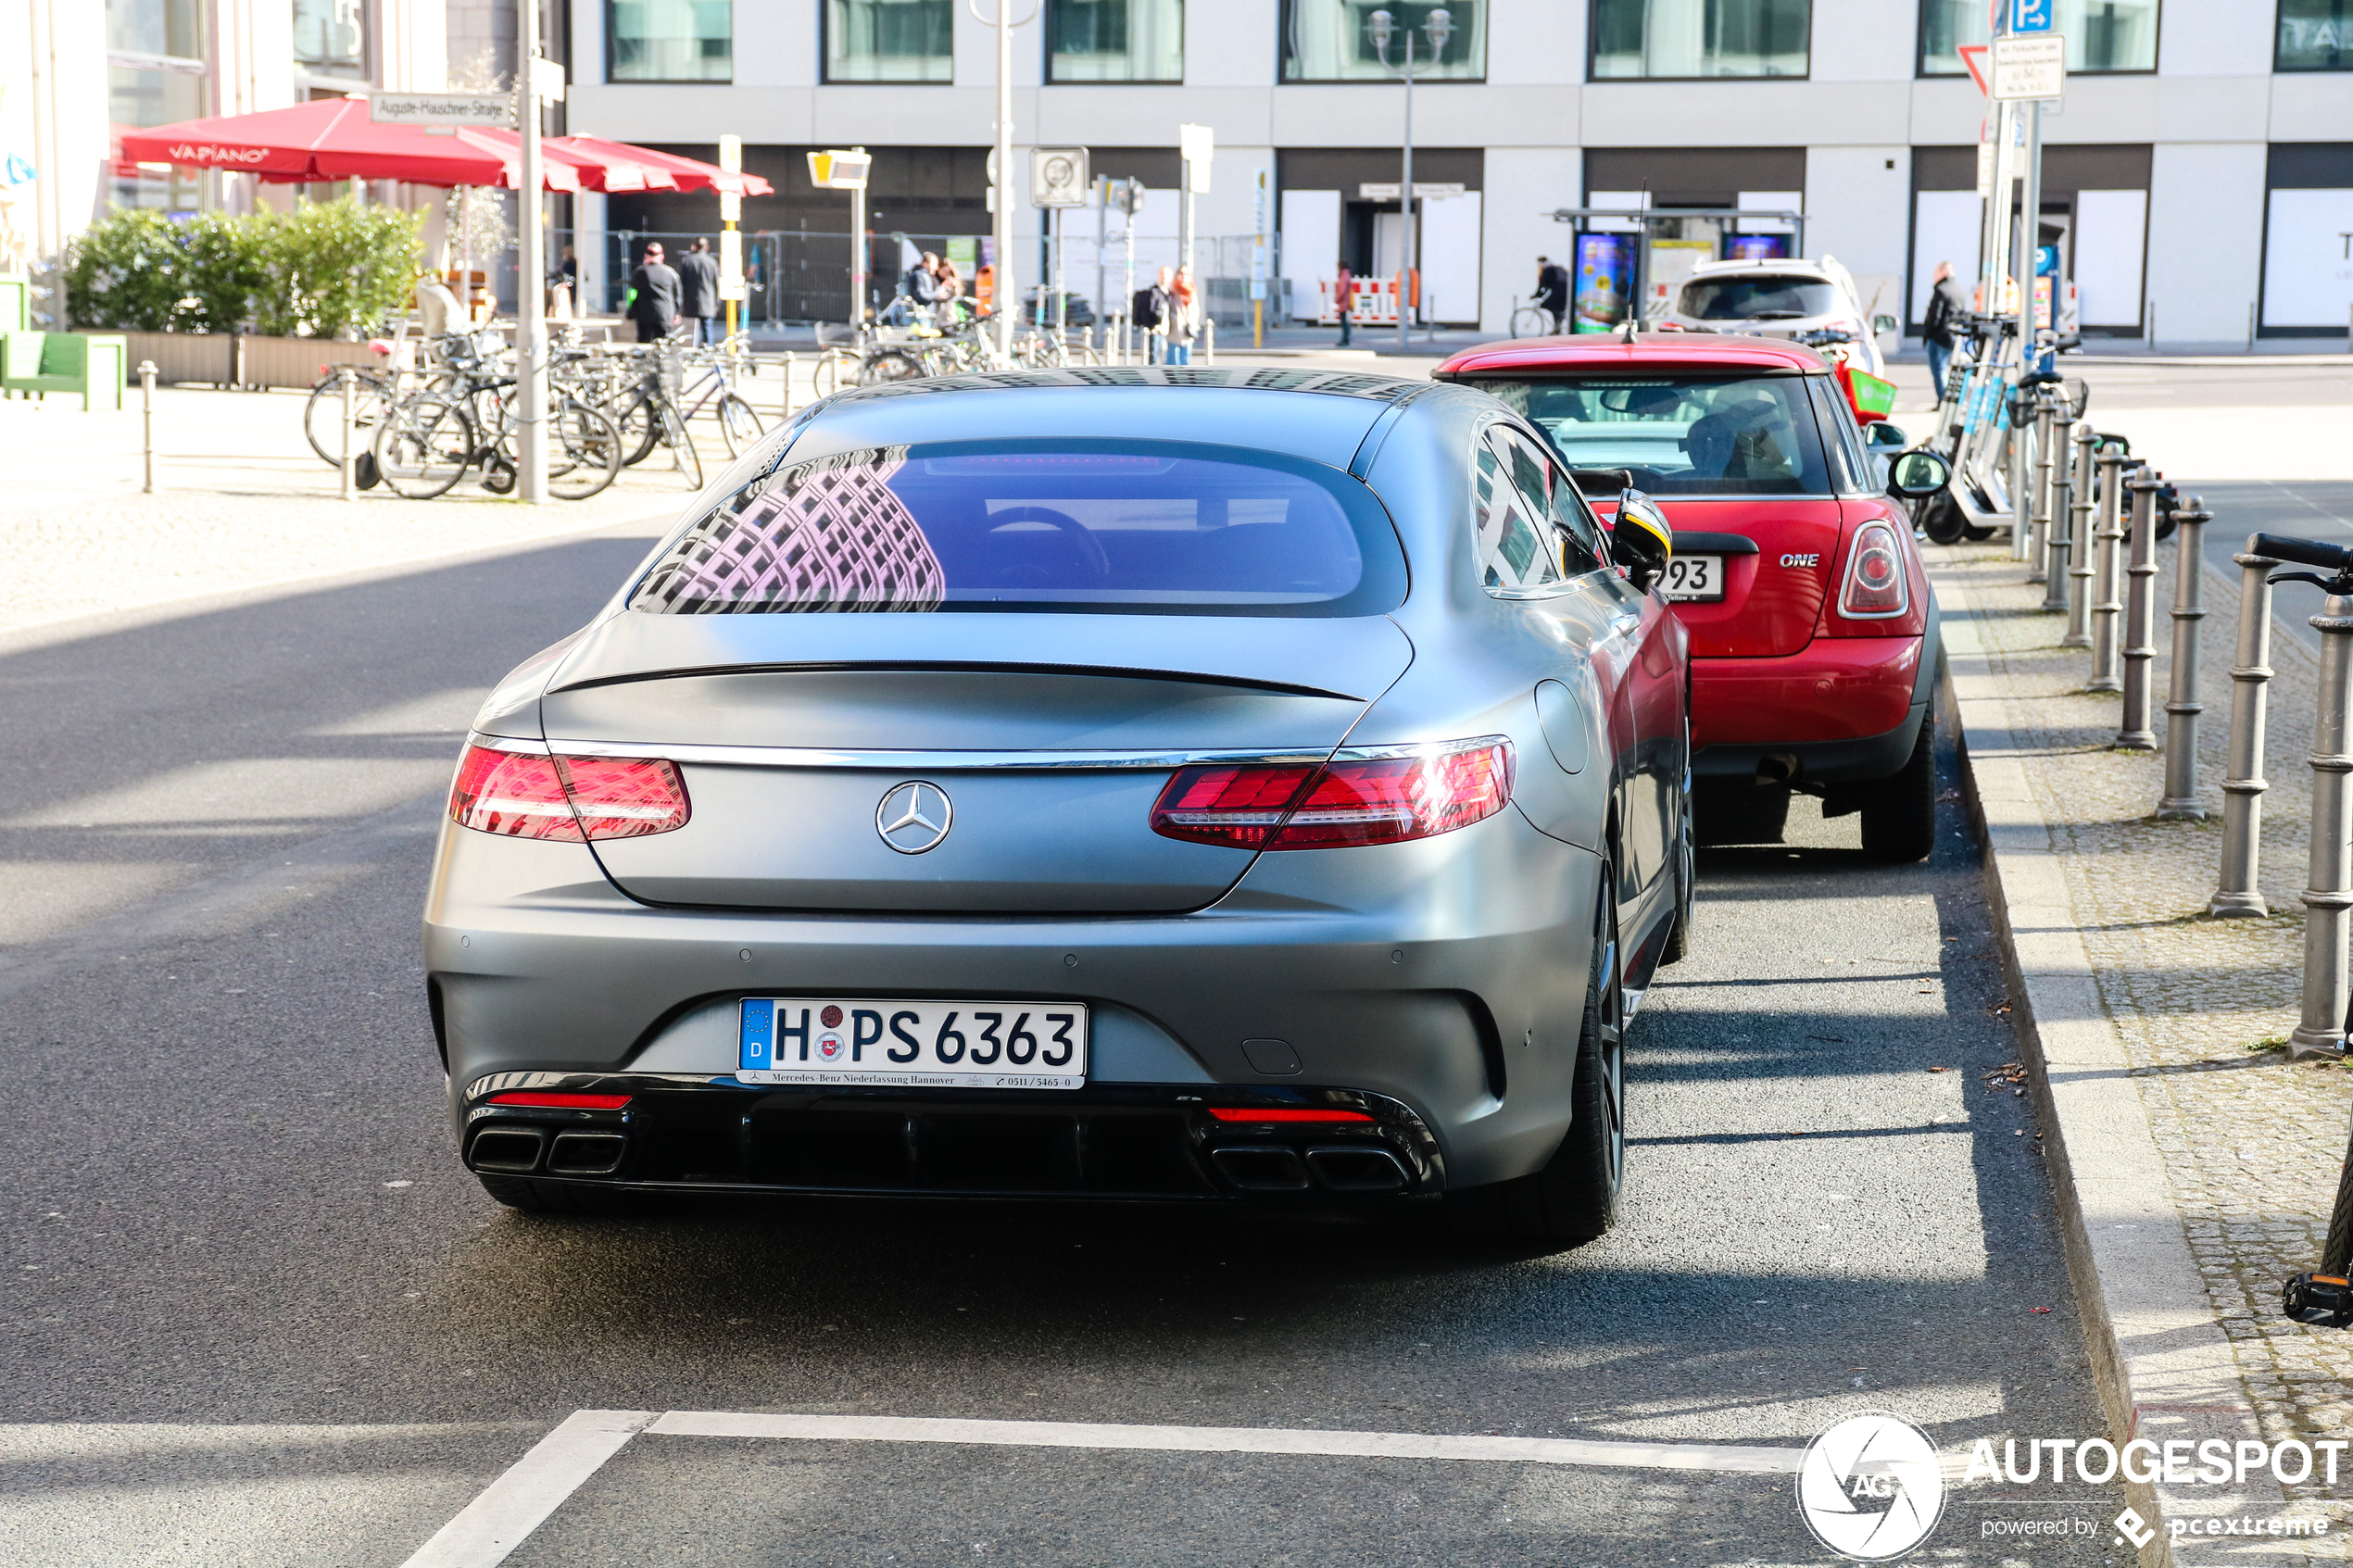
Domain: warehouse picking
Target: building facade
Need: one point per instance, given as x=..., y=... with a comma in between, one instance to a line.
x=2198, y=185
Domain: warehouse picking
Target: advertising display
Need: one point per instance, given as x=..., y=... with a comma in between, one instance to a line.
x=1605, y=276
x=2307, y=261
x=1756, y=247
x=1671, y=262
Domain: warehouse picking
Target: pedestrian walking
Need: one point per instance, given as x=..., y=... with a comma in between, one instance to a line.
x=1938, y=328
x=1182, y=322
x=653, y=296
x=698, y=291
x=1344, y=297
x=1551, y=290
x=1148, y=311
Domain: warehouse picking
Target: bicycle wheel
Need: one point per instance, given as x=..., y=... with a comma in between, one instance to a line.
x=738, y=424
x=1529, y=321
x=825, y=375
x=423, y=446
x=681, y=443
x=890, y=365
x=640, y=431
x=584, y=453
x=322, y=416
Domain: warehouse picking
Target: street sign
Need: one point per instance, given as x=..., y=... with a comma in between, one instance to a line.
x=731, y=154
x=1423, y=190
x=1197, y=145
x=442, y=112
x=2031, y=16
x=731, y=264
x=2030, y=67
x=1058, y=177
x=1124, y=196
x=547, y=80
x=839, y=170
x=1974, y=56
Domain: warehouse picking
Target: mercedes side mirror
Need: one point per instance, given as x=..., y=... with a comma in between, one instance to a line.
x=1640, y=539
x=1883, y=438
x=1883, y=324
x=1917, y=476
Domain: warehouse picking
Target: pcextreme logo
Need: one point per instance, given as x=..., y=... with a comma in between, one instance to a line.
x=1871, y=1487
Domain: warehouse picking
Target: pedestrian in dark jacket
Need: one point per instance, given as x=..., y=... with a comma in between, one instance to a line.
x=1938, y=328
x=698, y=290
x=1552, y=290
x=653, y=296
x=1147, y=310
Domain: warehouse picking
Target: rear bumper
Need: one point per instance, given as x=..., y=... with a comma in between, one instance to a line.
x=1841, y=710
x=1106, y=1141
x=1443, y=975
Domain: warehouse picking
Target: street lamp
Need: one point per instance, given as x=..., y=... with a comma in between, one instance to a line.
x=1438, y=27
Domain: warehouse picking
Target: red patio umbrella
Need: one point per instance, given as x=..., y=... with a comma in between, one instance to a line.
x=686, y=174
x=333, y=139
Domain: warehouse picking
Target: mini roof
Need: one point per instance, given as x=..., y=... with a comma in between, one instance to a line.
x=1611, y=353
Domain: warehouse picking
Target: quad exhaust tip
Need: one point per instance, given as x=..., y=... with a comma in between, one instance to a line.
x=523, y=1151
x=1274, y=1167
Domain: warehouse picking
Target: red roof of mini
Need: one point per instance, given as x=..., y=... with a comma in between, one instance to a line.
x=1608, y=352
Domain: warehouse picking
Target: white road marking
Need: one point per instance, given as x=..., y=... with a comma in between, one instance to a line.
x=521, y=1500
x=518, y=1502
x=1230, y=1440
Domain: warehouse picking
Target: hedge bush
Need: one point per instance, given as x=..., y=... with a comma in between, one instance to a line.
x=326, y=269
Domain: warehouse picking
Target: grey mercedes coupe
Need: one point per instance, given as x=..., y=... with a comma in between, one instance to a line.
x=1118, y=784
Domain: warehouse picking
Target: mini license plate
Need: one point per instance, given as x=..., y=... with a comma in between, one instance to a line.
x=1693, y=577
x=958, y=1045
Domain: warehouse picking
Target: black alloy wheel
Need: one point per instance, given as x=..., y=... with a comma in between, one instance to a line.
x=1679, y=940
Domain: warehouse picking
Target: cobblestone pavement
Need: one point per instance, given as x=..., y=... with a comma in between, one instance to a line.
x=2252, y=1142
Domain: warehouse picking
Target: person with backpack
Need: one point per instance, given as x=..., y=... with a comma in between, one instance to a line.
x=1551, y=290
x=1148, y=311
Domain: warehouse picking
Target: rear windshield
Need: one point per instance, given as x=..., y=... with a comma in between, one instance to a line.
x=1087, y=527
x=1758, y=299
x=1682, y=435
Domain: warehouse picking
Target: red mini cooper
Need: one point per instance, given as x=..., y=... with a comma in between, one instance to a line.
x=1813, y=637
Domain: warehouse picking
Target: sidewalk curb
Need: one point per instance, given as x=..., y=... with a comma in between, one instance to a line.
x=2165, y=1368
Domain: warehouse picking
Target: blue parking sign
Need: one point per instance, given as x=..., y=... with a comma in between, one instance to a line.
x=2031, y=16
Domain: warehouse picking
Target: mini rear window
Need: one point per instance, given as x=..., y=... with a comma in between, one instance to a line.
x=1062, y=527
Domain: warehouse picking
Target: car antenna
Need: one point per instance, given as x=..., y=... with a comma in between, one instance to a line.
x=1627, y=328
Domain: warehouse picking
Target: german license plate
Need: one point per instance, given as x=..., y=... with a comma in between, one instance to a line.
x=958, y=1045
x=1693, y=577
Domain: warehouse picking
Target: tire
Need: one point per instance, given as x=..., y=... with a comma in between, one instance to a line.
x=640, y=431
x=1679, y=940
x=522, y=1193
x=1941, y=519
x=584, y=457
x=681, y=443
x=1574, y=1197
x=1899, y=813
x=322, y=417
x=424, y=446
x=890, y=365
x=738, y=425
x=1976, y=534
x=1529, y=321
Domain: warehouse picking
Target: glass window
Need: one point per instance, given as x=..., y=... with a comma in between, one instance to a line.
x=1332, y=41
x=1076, y=526
x=2315, y=35
x=1517, y=551
x=1850, y=466
x=1757, y=298
x=1681, y=435
x=331, y=38
x=671, y=39
x=1695, y=38
x=1114, y=40
x=2102, y=35
x=165, y=29
x=890, y=40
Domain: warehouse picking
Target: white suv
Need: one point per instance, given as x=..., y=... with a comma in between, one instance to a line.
x=1781, y=299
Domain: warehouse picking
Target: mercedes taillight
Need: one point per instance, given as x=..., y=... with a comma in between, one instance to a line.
x=1385, y=795
x=525, y=794
x=1875, y=587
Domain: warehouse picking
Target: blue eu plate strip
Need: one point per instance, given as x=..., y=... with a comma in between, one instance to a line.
x=758, y=1035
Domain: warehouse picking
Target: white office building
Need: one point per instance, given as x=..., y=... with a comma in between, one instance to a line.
x=2199, y=180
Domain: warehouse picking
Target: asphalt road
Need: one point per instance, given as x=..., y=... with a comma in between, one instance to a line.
x=256, y=1313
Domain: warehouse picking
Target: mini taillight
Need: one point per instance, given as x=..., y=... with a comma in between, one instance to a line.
x=1381, y=799
x=1254, y=1113
x=1875, y=587
x=522, y=795
x=532, y=1099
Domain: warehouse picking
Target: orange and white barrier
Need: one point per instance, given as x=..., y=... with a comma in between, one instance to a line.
x=1374, y=304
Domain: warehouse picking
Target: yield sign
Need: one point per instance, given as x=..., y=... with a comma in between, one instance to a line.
x=1974, y=56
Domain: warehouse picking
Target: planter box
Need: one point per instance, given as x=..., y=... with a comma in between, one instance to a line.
x=234, y=359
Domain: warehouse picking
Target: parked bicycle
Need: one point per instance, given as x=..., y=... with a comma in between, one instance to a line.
x=429, y=441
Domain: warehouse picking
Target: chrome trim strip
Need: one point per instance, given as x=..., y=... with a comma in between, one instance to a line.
x=933, y=761
x=507, y=743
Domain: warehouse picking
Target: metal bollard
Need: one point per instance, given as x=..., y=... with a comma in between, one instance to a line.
x=2243, y=789
x=2058, y=535
x=350, y=479
x=2080, y=543
x=2328, y=894
x=147, y=422
x=2108, y=606
x=1209, y=340
x=791, y=362
x=2179, y=801
x=2140, y=616
x=2038, y=496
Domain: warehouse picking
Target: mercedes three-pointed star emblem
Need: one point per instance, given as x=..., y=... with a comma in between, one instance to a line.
x=915, y=816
